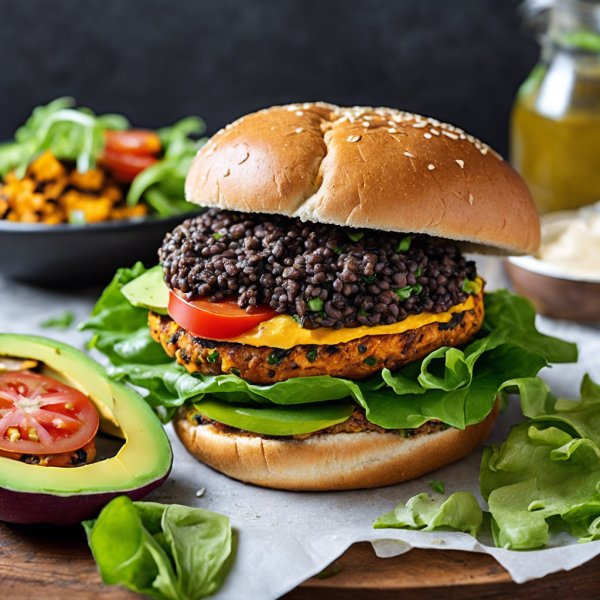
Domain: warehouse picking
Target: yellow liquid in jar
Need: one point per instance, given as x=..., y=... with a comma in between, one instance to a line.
x=559, y=159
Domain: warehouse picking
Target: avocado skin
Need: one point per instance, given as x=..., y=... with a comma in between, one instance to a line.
x=27, y=508
x=34, y=494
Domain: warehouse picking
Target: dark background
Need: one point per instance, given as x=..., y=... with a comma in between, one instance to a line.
x=157, y=61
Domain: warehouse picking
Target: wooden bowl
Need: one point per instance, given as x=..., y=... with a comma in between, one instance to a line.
x=556, y=297
x=554, y=292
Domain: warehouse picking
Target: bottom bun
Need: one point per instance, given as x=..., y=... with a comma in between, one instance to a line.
x=332, y=461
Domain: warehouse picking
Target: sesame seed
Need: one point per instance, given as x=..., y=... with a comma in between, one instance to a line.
x=470, y=198
x=431, y=167
x=409, y=155
x=427, y=135
x=366, y=124
x=435, y=131
x=369, y=118
x=299, y=130
x=292, y=107
x=450, y=135
x=353, y=138
x=299, y=113
x=463, y=136
x=306, y=105
x=419, y=124
x=484, y=150
x=392, y=130
x=460, y=163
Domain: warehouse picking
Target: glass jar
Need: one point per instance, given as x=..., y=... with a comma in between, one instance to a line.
x=555, y=124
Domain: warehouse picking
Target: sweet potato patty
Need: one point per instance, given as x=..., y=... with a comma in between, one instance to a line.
x=353, y=360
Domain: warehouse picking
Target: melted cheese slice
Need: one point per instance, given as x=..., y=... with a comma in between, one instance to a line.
x=283, y=332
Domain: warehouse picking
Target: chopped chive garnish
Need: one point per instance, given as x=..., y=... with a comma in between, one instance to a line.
x=311, y=355
x=297, y=318
x=364, y=313
x=419, y=272
x=370, y=361
x=316, y=304
x=213, y=357
x=471, y=287
x=404, y=244
x=355, y=237
x=326, y=574
x=409, y=290
x=217, y=236
x=369, y=278
x=339, y=249
x=437, y=486
x=234, y=371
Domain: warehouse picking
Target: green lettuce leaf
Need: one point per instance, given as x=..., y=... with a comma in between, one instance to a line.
x=460, y=512
x=458, y=387
x=548, y=470
x=169, y=552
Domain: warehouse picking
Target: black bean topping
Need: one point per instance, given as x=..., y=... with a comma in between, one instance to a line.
x=362, y=348
x=322, y=275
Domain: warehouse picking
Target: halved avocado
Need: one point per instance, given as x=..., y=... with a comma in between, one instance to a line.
x=34, y=494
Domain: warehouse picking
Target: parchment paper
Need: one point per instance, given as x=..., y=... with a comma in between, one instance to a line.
x=284, y=537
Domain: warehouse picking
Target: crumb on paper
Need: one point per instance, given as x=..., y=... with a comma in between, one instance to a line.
x=200, y=492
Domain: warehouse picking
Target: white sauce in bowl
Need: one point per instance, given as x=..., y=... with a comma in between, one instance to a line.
x=570, y=247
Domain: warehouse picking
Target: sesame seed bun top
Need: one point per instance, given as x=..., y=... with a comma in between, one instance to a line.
x=377, y=168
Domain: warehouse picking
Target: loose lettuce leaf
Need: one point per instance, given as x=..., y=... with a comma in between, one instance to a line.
x=548, y=470
x=504, y=310
x=460, y=512
x=169, y=552
x=455, y=386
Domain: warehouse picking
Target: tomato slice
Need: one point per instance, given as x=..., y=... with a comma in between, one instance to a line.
x=216, y=320
x=132, y=141
x=39, y=415
x=126, y=167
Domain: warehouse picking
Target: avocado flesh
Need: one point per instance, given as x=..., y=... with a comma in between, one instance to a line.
x=149, y=291
x=146, y=455
x=295, y=419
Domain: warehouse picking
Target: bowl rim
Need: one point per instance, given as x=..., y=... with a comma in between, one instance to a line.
x=540, y=267
x=119, y=224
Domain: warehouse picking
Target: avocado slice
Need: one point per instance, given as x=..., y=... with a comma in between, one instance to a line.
x=294, y=419
x=33, y=494
x=149, y=291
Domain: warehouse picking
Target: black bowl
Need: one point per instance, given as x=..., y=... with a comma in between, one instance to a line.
x=79, y=254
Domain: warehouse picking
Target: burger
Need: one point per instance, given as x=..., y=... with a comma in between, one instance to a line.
x=330, y=331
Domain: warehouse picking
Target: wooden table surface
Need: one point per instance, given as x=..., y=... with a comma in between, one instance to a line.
x=55, y=563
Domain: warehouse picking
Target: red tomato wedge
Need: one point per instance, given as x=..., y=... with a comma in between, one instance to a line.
x=216, y=320
x=126, y=167
x=132, y=141
x=39, y=415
